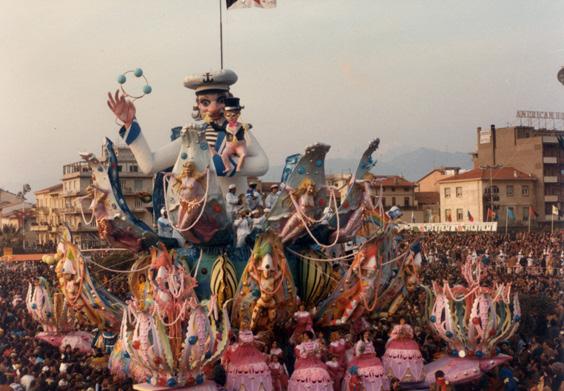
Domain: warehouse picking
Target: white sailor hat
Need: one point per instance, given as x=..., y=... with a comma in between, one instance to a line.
x=212, y=80
x=232, y=186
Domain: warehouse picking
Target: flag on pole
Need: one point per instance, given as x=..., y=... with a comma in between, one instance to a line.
x=555, y=210
x=510, y=214
x=234, y=4
x=470, y=217
x=491, y=215
x=533, y=212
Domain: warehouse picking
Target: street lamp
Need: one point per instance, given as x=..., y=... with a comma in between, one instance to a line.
x=560, y=75
x=26, y=188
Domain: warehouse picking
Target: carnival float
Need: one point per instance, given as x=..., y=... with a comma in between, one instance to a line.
x=205, y=297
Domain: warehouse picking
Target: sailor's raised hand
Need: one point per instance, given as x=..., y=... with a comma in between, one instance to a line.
x=123, y=108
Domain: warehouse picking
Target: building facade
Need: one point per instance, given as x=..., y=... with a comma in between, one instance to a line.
x=468, y=196
x=49, y=203
x=65, y=204
x=532, y=151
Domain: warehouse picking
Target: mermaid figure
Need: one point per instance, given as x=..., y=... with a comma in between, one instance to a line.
x=360, y=213
x=304, y=207
x=191, y=193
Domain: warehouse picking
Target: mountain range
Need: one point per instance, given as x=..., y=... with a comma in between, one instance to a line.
x=411, y=165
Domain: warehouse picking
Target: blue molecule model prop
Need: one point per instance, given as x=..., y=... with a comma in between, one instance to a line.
x=192, y=340
x=138, y=72
x=147, y=89
x=433, y=318
x=448, y=334
x=121, y=79
x=479, y=354
x=199, y=379
x=171, y=382
x=34, y=306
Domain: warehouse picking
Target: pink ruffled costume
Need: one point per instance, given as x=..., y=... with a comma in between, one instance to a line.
x=303, y=323
x=310, y=373
x=403, y=358
x=246, y=366
x=369, y=368
x=339, y=349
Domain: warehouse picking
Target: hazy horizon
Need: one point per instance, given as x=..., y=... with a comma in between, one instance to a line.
x=415, y=74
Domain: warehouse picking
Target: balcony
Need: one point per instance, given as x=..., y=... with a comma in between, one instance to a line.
x=550, y=198
x=68, y=211
x=550, y=160
x=550, y=179
x=39, y=228
x=549, y=140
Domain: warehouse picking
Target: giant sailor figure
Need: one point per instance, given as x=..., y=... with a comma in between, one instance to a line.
x=211, y=90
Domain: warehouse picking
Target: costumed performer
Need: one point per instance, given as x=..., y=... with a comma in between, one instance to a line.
x=310, y=373
x=367, y=365
x=246, y=366
x=403, y=358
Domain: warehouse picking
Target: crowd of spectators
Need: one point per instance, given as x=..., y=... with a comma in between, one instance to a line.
x=537, y=348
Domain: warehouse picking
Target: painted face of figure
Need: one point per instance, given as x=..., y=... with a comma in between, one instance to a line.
x=302, y=307
x=232, y=115
x=310, y=189
x=211, y=105
x=411, y=284
x=189, y=169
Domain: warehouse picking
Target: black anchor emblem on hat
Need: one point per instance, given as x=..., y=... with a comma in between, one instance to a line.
x=208, y=79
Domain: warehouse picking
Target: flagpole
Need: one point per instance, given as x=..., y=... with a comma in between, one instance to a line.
x=221, y=34
x=506, y=218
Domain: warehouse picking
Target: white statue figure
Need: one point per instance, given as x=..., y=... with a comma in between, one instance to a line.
x=212, y=88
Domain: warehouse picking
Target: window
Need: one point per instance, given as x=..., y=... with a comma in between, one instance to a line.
x=393, y=189
x=525, y=213
x=459, y=215
x=447, y=192
x=448, y=215
x=138, y=184
x=525, y=190
x=393, y=201
x=120, y=168
x=459, y=192
x=406, y=202
x=509, y=190
x=133, y=168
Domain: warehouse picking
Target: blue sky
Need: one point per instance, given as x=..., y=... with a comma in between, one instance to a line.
x=414, y=73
